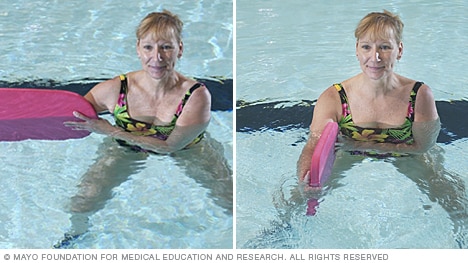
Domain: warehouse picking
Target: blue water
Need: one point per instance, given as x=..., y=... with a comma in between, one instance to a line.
x=292, y=51
x=182, y=200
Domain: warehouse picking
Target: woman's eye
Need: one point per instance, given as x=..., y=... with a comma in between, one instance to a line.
x=166, y=47
x=148, y=47
x=366, y=47
x=385, y=47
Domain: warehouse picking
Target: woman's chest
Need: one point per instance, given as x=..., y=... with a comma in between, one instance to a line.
x=157, y=110
x=382, y=113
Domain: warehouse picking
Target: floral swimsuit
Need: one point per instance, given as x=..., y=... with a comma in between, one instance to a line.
x=162, y=132
x=402, y=134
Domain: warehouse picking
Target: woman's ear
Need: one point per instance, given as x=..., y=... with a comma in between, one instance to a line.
x=400, y=51
x=137, y=49
x=181, y=49
x=357, y=55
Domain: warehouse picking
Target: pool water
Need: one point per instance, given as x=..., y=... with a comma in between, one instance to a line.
x=77, y=40
x=182, y=200
x=287, y=54
x=365, y=204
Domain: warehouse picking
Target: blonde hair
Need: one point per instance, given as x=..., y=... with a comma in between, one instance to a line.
x=163, y=25
x=380, y=25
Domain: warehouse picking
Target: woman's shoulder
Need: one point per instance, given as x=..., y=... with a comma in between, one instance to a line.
x=409, y=82
x=423, y=91
x=103, y=95
x=333, y=91
x=198, y=91
x=131, y=77
x=186, y=82
x=330, y=97
x=193, y=86
x=189, y=83
x=425, y=105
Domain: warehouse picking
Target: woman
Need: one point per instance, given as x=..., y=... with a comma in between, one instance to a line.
x=170, y=110
x=156, y=110
x=378, y=111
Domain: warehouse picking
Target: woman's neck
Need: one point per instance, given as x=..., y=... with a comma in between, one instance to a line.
x=379, y=87
x=162, y=85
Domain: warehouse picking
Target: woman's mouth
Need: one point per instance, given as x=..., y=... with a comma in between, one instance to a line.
x=375, y=68
x=156, y=68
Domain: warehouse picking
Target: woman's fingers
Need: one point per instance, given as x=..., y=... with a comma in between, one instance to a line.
x=81, y=116
x=79, y=125
x=76, y=125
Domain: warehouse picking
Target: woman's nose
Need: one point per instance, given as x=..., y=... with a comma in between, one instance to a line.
x=157, y=55
x=375, y=56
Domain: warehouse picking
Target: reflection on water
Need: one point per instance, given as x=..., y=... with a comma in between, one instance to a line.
x=204, y=162
x=207, y=165
x=295, y=50
x=372, y=209
x=368, y=203
x=72, y=40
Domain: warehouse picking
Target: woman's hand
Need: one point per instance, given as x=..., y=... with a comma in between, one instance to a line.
x=98, y=125
x=305, y=185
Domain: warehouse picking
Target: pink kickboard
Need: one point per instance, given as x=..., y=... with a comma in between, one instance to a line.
x=40, y=113
x=323, y=156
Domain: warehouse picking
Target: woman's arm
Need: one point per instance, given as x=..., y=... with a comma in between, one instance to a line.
x=191, y=123
x=327, y=108
x=104, y=95
x=424, y=133
x=426, y=125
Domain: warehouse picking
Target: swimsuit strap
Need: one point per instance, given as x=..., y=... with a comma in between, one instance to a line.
x=122, y=101
x=412, y=103
x=343, y=98
x=396, y=135
x=123, y=84
x=162, y=132
x=411, y=106
x=186, y=97
x=124, y=89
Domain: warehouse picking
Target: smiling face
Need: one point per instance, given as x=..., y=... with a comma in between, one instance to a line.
x=378, y=44
x=158, y=56
x=377, y=57
x=159, y=43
